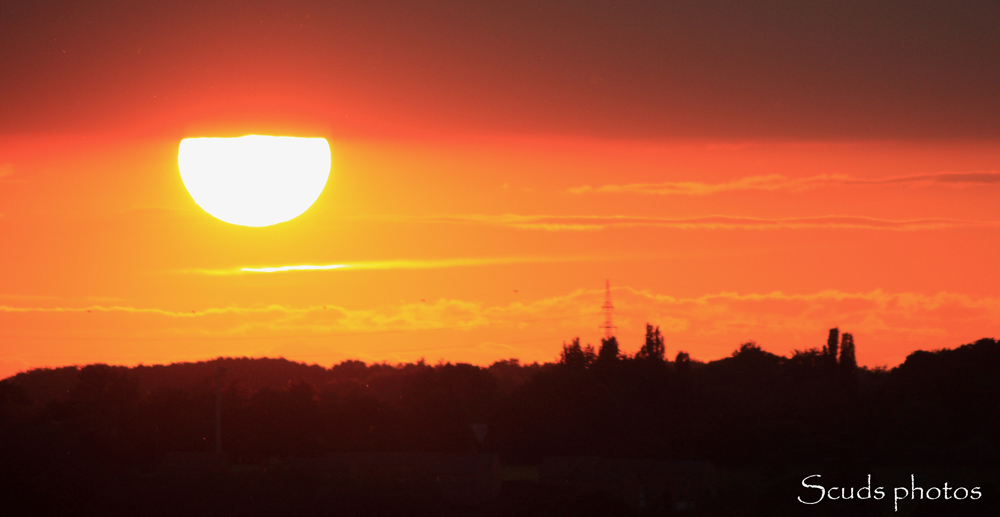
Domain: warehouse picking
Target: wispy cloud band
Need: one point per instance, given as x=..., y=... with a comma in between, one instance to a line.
x=890, y=324
x=776, y=182
x=304, y=267
x=402, y=264
x=718, y=222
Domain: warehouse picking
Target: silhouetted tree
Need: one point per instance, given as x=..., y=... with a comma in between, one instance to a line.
x=848, y=363
x=575, y=356
x=653, y=349
x=511, y=374
x=682, y=363
x=808, y=359
x=751, y=355
x=831, y=345
x=609, y=351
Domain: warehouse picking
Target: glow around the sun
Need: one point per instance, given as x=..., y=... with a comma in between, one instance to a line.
x=254, y=180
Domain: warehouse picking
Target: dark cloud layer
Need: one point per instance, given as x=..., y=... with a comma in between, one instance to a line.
x=624, y=69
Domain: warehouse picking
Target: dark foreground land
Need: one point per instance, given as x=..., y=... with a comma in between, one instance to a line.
x=240, y=491
x=106, y=440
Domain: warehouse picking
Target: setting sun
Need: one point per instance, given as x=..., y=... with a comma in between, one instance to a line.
x=593, y=258
x=254, y=180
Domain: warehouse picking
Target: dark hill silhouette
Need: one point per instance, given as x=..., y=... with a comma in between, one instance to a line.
x=47, y=384
x=752, y=410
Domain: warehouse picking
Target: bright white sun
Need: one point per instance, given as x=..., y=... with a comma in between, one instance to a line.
x=254, y=180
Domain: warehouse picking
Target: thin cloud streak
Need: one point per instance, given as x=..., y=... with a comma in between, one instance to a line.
x=402, y=264
x=330, y=320
x=305, y=267
x=718, y=222
x=777, y=182
x=145, y=310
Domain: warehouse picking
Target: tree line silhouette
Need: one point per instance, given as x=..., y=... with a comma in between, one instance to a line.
x=753, y=409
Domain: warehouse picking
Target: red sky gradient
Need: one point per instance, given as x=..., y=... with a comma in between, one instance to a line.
x=738, y=173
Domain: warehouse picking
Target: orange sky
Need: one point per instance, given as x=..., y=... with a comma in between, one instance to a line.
x=480, y=197
x=481, y=250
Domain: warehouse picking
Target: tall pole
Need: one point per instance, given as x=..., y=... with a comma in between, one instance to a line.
x=609, y=327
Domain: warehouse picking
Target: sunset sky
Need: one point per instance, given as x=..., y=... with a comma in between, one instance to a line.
x=739, y=172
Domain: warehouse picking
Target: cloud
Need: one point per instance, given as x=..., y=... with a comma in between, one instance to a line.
x=719, y=311
x=871, y=312
x=400, y=264
x=775, y=182
x=305, y=267
x=143, y=310
x=719, y=222
x=321, y=320
x=888, y=325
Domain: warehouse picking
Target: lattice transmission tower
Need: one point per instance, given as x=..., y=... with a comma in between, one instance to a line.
x=609, y=327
